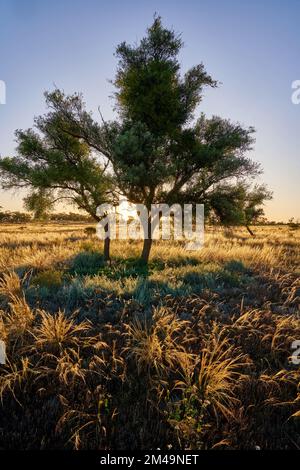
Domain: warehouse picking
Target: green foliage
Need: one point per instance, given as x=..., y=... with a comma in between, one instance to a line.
x=158, y=155
x=50, y=279
x=238, y=204
x=56, y=166
x=236, y=266
x=87, y=262
x=150, y=89
x=40, y=203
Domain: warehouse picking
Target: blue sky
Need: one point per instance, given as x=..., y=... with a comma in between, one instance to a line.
x=252, y=48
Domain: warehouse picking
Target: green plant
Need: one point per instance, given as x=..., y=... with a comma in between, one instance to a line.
x=87, y=262
x=50, y=278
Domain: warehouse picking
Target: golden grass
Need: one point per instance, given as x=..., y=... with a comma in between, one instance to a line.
x=193, y=352
x=56, y=332
x=213, y=377
x=154, y=345
x=40, y=246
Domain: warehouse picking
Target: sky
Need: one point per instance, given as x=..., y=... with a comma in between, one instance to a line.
x=252, y=48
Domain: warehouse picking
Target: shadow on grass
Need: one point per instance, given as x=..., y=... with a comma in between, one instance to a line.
x=92, y=263
x=91, y=285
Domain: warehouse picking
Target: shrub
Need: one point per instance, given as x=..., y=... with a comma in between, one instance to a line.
x=90, y=231
x=87, y=263
x=49, y=279
x=235, y=267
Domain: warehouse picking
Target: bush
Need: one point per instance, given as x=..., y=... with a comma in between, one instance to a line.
x=87, y=262
x=235, y=266
x=49, y=279
x=90, y=231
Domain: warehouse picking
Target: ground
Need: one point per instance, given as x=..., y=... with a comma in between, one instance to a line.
x=194, y=351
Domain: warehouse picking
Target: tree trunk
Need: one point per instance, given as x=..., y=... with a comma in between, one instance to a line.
x=106, y=247
x=250, y=231
x=146, y=250
x=147, y=243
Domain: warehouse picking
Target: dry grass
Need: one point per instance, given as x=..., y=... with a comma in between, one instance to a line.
x=213, y=377
x=193, y=352
x=156, y=345
x=57, y=333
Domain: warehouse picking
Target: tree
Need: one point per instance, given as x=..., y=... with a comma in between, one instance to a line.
x=40, y=203
x=156, y=149
x=253, y=209
x=239, y=204
x=56, y=166
x=160, y=155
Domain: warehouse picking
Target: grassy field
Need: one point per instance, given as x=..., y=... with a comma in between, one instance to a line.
x=192, y=352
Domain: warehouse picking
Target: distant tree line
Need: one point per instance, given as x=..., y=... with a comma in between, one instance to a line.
x=17, y=217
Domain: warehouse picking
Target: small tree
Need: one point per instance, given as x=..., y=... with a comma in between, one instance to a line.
x=40, y=203
x=239, y=204
x=253, y=209
x=56, y=166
